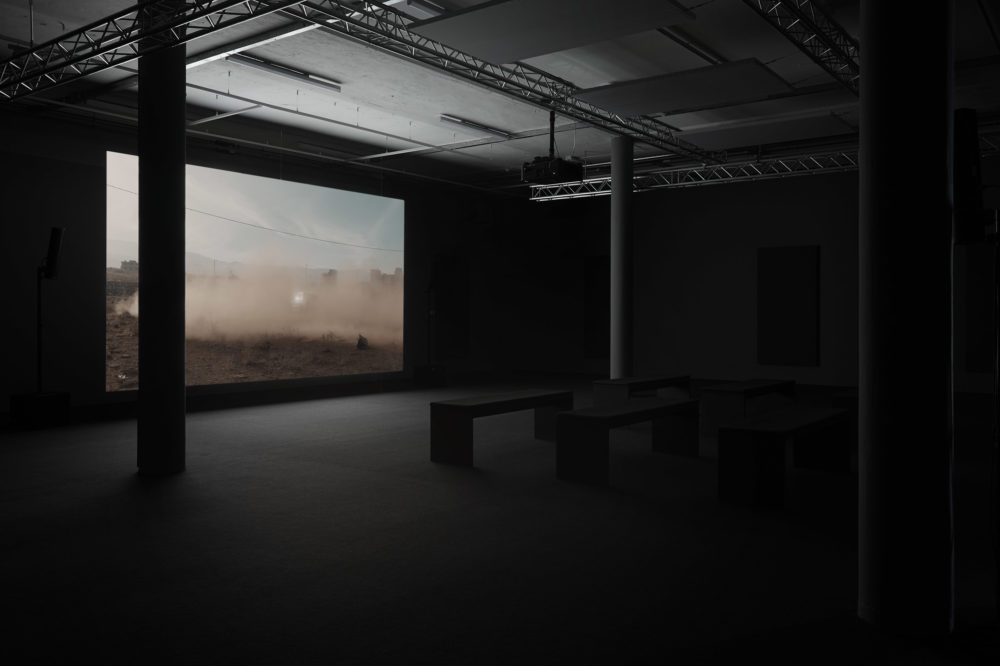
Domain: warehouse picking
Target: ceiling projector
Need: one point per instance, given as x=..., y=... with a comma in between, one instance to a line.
x=548, y=169
x=552, y=169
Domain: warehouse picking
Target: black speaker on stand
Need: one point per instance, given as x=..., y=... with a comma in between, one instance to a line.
x=42, y=407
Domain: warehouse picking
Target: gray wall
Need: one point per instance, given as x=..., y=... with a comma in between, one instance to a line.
x=527, y=298
x=56, y=176
x=695, y=264
x=53, y=179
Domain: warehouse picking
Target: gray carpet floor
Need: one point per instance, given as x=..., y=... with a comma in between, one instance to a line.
x=319, y=532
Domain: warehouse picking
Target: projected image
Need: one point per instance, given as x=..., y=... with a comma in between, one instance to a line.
x=284, y=280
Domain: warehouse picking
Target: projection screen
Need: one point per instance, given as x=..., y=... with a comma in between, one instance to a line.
x=284, y=280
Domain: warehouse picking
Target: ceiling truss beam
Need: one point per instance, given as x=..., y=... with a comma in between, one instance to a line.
x=318, y=153
x=123, y=37
x=377, y=25
x=779, y=167
x=816, y=34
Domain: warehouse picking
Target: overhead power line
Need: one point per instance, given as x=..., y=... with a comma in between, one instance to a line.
x=271, y=229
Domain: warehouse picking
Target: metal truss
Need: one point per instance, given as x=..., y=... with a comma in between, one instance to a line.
x=377, y=25
x=816, y=34
x=123, y=37
x=779, y=167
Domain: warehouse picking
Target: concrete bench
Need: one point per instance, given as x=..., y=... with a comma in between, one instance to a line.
x=583, y=447
x=451, y=420
x=736, y=401
x=754, y=455
x=610, y=392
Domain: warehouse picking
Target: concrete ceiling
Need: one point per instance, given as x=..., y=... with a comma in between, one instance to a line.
x=388, y=110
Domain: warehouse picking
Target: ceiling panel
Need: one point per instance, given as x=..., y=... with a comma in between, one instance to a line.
x=52, y=18
x=622, y=59
x=715, y=85
x=736, y=32
x=725, y=79
x=833, y=100
x=371, y=79
x=772, y=131
x=977, y=23
x=976, y=84
x=511, y=30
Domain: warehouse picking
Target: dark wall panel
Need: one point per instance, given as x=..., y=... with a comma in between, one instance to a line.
x=696, y=275
x=597, y=306
x=42, y=193
x=788, y=299
x=449, y=314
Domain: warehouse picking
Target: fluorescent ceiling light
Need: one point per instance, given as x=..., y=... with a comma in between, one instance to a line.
x=286, y=72
x=245, y=45
x=220, y=116
x=469, y=124
x=327, y=150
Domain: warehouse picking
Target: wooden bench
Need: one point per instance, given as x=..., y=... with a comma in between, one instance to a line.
x=736, y=401
x=610, y=392
x=583, y=447
x=754, y=455
x=451, y=420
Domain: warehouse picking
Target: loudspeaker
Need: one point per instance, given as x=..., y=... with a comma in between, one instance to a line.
x=51, y=266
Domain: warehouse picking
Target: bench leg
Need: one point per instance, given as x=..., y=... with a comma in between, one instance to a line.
x=582, y=452
x=827, y=450
x=751, y=468
x=717, y=409
x=677, y=433
x=451, y=436
x=545, y=422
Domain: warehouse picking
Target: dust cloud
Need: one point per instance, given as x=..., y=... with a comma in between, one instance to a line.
x=264, y=301
x=128, y=305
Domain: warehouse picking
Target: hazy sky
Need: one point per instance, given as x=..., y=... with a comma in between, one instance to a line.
x=222, y=204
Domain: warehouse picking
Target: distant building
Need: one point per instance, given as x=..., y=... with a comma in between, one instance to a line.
x=394, y=278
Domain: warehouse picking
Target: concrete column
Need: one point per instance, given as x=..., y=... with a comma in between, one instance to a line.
x=161, y=418
x=905, y=574
x=621, y=257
